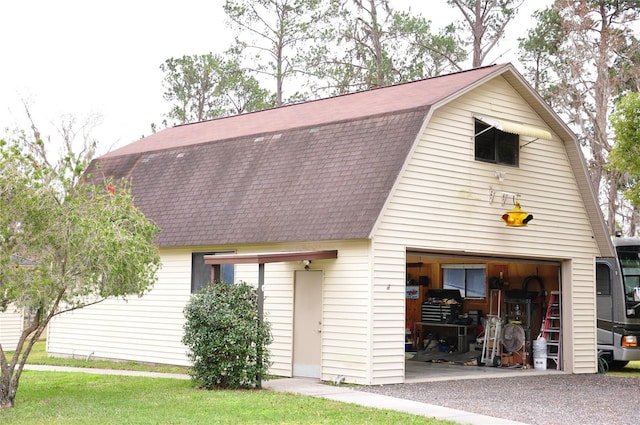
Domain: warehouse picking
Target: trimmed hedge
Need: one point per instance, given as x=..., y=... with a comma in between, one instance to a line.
x=227, y=344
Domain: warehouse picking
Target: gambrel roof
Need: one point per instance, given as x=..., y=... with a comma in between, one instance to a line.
x=319, y=170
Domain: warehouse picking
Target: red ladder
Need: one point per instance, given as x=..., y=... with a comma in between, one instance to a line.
x=552, y=328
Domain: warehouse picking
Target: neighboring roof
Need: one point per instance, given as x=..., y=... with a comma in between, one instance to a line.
x=319, y=170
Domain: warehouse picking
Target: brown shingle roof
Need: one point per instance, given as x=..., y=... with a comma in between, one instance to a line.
x=314, y=183
x=320, y=170
x=380, y=101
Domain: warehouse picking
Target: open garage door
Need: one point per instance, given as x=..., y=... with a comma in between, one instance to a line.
x=456, y=306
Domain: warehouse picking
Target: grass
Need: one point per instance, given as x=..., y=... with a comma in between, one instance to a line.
x=631, y=370
x=50, y=398
x=39, y=356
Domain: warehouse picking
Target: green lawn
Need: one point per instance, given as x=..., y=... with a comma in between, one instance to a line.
x=84, y=399
x=39, y=356
x=632, y=370
x=47, y=398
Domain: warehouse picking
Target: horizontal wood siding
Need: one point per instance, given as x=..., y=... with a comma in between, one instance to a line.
x=150, y=328
x=442, y=203
x=11, y=325
x=580, y=336
x=345, y=307
x=147, y=329
x=388, y=306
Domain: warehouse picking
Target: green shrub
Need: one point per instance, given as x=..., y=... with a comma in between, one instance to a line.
x=228, y=345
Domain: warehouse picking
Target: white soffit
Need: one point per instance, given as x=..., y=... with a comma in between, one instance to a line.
x=515, y=127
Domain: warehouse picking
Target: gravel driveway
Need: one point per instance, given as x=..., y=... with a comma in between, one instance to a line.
x=538, y=400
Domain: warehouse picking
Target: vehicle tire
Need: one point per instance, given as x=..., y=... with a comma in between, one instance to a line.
x=497, y=361
x=617, y=364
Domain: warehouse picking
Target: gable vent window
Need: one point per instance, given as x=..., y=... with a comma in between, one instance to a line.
x=495, y=146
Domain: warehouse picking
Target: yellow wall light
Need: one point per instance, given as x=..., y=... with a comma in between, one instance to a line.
x=516, y=217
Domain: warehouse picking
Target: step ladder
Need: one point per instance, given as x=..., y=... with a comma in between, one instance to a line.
x=491, y=354
x=552, y=329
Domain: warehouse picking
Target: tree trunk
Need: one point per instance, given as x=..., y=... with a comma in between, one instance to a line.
x=7, y=395
x=612, y=207
x=633, y=228
x=9, y=380
x=12, y=370
x=5, y=382
x=6, y=402
x=377, y=48
x=477, y=29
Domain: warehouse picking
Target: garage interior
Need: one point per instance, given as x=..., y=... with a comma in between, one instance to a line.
x=493, y=313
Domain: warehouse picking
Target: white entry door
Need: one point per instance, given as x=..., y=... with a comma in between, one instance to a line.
x=307, y=324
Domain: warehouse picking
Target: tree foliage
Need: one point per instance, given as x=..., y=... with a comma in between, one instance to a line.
x=486, y=21
x=202, y=87
x=227, y=341
x=429, y=54
x=625, y=155
x=540, y=46
x=65, y=243
x=367, y=44
x=272, y=34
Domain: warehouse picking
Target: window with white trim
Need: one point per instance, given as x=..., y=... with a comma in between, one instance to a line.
x=469, y=279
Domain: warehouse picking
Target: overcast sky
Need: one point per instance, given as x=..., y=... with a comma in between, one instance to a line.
x=82, y=57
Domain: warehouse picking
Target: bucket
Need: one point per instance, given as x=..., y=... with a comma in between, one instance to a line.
x=540, y=363
x=540, y=353
x=540, y=346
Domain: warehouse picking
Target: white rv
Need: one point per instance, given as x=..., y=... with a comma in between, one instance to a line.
x=618, y=303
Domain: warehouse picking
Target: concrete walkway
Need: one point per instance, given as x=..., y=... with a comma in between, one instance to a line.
x=345, y=394
x=106, y=371
x=316, y=388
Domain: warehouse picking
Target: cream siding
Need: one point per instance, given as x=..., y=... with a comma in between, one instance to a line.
x=442, y=202
x=149, y=329
x=388, y=315
x=345, y=307
x=11, y=325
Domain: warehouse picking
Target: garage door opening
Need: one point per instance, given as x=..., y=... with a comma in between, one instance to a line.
x=472, y=311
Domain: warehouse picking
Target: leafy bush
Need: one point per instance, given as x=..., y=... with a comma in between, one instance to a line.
x=227, y=344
